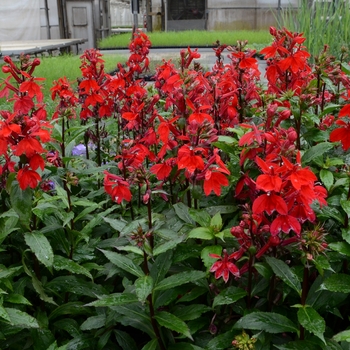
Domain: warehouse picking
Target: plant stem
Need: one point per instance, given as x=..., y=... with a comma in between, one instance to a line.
x=250, y=278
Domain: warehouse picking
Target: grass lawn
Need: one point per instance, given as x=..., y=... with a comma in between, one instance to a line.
x=193, y=38
x=53, y=68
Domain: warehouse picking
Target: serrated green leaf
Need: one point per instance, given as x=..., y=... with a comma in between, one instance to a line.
x=208, y=261
x=123, y=263
x=346, y=234
x=135, y=315
x=338, y=282
x=76, y=285
x=179, y=279
x=131, y=249
x=17, y=299
x=266, y=321
x=166, y=246
x=345, y=204
x=182, y=211
x=143, y=287
x=311, y=320
x=205, y=233
x=151, y=345
x=4, y=315
x=342, y=336
x=40, y=246
x=173, y=323
x=298, y=345
x=190, y=312
x=327, y=178
x=8, y=224
x=117, y=225
x=22, y=319
x=282, y=270
x=114, y=299
x=200, y=216
x=216, y=222
x=21, y=202
x=221, y=342
x=315, y=151
x=62, y=263
x=341, y=247
x=71, y=308
x=229, y=296
x=161, y=266
x=93, y=322
x=124, y=340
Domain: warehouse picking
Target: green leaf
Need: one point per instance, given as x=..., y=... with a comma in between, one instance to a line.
x=166, y=246
x=316, y=151
x=76, y=285
x=341, y=247
x=114, y=300
x=190, y=312
x=201, y=217
x=62, y=263
x=17, y=299
x=22, y=319
x=327, y=178
x=345, y=204
x=179, y=279
x=208, y=261
x=143, y=287
x=123, y=263
x=93, y=322
x=71, y=308
x=173, y=323
x=40, y=246
x=21, y=202
x=8, y=224
x=311, y=320
x=4, y=315
x=338, y=282
x=221, y=342
x=342, y=336
x=182, y=211
x=229, y=296
x=205, y=233
x=151, y=345
x=216, y=222
x=267, y=321
x=161, y=266
x=282, y=270
x=124, y=340
x=117, y=225
x=136, y=316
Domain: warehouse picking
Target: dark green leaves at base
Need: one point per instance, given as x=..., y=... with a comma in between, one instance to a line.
x=311, y=320
x=267, y=321
x=173, y=323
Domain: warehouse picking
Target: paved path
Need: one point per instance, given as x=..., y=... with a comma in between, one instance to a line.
x=207, y=59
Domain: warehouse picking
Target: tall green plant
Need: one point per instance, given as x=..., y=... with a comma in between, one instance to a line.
x=322, y=22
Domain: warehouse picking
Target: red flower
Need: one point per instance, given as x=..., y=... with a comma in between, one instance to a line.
x=224, y=267
x=213, y=182
x=28, y=178
x=285, y=223
x=116, y=187
x=270, y=202
x=341, y=134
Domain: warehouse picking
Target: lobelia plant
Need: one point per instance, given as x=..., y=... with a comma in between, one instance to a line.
x=208, y=210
